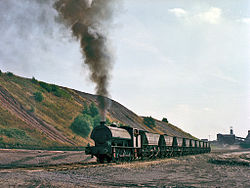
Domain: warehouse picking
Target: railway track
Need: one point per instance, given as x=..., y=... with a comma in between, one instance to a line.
x=77, y=166
x=57, y=167
x=74, y=166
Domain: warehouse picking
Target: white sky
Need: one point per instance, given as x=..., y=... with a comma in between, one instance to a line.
x=184, y=60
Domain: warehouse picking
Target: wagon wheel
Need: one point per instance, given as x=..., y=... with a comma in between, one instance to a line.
x=109, y=159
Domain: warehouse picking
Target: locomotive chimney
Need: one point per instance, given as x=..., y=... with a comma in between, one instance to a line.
x=102, y=123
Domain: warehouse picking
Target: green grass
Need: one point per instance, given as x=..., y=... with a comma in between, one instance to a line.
x=16, y=136
x=14, y=133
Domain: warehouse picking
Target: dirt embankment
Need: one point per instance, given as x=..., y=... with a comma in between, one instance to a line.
x=14, y=107
x=47, y=123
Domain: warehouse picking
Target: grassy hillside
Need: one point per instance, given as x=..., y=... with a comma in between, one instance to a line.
x=39, y=115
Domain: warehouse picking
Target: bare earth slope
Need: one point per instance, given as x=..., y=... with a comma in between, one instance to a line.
x=26, y=122
x=15, y=108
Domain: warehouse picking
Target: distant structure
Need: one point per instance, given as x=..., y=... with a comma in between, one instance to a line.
x=247, y=139
x=246, y=143
x=230, y=139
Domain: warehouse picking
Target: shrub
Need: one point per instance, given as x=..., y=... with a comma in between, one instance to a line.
x=96, y=121
x=10, y=74
x=93, y=110
x=164, y=120
x=81, y=125
x=57, y=91
x=0, y=72
x=38, y=96
x=88, y=118
x=65, y=94
x=85, y=108
x=13, y=133
x=34, y=81
x=46, y=86
x=61, y=93
x=54, y=88
x=149, y=121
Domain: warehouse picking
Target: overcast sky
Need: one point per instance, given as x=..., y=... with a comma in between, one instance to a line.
x=188, y=61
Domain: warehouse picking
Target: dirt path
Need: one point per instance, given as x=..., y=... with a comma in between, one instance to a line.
x=12, y=158
x=187, y=171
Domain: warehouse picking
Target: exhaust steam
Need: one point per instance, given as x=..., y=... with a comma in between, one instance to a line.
x=87, y=20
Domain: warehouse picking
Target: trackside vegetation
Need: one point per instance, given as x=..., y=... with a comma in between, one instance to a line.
x=149, y=121
x=87, y=120
x=164, y=120
x=52, y=88
x=38, y=96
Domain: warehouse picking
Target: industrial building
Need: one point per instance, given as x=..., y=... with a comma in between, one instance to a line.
x=231, y=139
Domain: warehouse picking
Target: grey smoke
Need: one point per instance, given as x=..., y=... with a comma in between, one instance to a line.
x=88, y=20
x=33, y=36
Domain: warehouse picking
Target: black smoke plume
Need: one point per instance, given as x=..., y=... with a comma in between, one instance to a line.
x=87, y=19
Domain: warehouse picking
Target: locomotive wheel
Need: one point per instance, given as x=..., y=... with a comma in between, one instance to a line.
x=100, y=159
x=109, y=159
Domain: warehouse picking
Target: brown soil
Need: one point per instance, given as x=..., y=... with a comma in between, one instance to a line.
x=187, y=171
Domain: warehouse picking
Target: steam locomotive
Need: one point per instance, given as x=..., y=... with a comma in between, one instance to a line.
x=124, y=143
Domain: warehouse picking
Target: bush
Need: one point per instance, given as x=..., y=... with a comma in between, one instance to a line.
x=54, y=88
x=96, y=121
x=0, y=72
x=164, y=120
x=93, y=110
x=60, y=93
x=10, y=74
x=81, y=125
x=38, y=96
x=149, y=121
x=13, y=133
x=34, y=81
x=85, y=108
x=46, y=86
